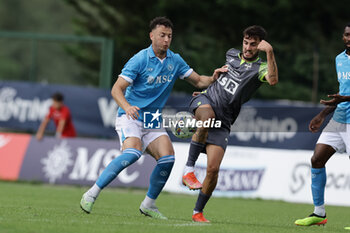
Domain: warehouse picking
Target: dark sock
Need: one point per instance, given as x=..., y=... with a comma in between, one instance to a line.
x=195, y=149
x=201, y=201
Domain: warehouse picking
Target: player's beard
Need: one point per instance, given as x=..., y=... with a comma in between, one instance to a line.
x=347, y=49
x=253, y=58
x=162, y=52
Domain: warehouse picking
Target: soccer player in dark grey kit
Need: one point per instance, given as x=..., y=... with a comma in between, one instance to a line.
x=222, y=100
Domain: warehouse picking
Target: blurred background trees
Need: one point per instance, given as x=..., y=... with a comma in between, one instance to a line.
x=306, y=36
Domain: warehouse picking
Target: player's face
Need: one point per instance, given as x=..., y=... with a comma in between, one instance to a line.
x=346, y=38
x=161, y=38
x=250, y=48
x=56, y=104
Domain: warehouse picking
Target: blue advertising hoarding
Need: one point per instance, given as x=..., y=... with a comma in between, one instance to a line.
x=270, y=124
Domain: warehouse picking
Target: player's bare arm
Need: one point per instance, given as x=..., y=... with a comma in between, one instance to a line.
x=60, y=127
x=118, y=95
x=272, y=71
x=336, y=99
x=203, y=81
x=42, y=127
x=317, y=121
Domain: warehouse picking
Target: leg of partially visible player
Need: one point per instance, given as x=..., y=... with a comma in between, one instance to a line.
x=321, y=155
x=215, y=155
x=162, y=150
x=131, y=153
x=202, y=113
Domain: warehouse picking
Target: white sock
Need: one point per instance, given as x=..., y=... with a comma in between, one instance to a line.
x=188, y=170
x=149, y=202
x=195, y=212
x=320, y=210
x=94, y=191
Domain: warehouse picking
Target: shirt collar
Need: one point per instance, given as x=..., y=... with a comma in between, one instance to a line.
x=151, y=52
x=346, y=55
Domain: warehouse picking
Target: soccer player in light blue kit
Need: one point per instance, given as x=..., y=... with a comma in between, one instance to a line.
x=335, y=136
x=147, y=79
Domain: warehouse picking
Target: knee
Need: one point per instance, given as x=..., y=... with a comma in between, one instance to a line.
x=316, y=162
x=212, y=171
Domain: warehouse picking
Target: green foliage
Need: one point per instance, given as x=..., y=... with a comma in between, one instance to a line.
x=21, y=59
x=205, y=30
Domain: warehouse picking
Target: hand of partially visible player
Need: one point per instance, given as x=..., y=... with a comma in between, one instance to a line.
x=132, y=111
x=195, y=93
x=218, y=71
x=316, y=123
x=336, y=99
x=265, y=46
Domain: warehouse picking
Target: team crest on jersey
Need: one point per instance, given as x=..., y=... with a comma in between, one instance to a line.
x=170, y=67
x=248, y=66
x=150, y=79
x=149, y=69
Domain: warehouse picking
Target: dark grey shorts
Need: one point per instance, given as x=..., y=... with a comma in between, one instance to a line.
x=198, y=101
x=216, y=136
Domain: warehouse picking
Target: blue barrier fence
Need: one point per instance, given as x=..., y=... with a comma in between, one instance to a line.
x=271, y=124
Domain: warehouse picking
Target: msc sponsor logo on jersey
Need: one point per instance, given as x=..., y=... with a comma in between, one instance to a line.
x=343, y=75
x=160, y=79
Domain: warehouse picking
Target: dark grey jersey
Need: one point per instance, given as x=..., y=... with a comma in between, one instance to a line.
x=235, y=87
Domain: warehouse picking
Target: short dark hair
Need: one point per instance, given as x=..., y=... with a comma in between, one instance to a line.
x=161, y=20
x=255, y=31
x=57, y=97
x=347, y=25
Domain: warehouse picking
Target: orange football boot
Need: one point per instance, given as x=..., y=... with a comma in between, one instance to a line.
x=191, y=181
x=198, y=217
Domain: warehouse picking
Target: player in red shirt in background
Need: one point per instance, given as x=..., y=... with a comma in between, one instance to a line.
x=60, y=114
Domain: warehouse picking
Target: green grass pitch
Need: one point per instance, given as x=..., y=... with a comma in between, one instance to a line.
x=36, y=208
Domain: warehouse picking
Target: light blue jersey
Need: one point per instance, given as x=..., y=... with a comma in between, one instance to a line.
x=151, y=79
x=342, y=112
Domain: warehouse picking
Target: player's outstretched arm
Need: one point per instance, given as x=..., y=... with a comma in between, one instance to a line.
x=42, y=127
x=336, y=99
x=272, y=71
x=203, y=81
x=117, y=92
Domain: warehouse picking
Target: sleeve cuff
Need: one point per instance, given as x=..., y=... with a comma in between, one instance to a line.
x=262, y=78
x=188, y=73
x=129, y=80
